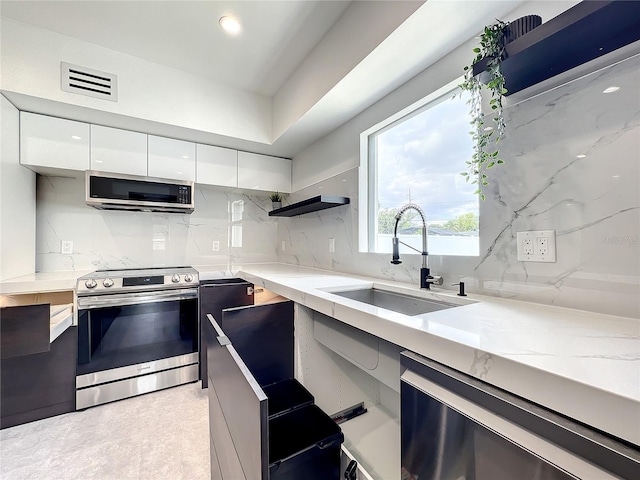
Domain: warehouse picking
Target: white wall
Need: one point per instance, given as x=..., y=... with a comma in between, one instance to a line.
x=17, y=201
x=31, y=59
x=336, y=55
x=118, y=239
x=592, y=203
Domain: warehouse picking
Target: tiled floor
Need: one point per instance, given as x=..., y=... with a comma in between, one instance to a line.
x=158, y=436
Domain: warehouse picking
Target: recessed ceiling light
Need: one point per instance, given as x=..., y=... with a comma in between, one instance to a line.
x=185, y=156
x=179, y=173
x=230, y=25
x=76, y=137
x=582, y=155
x=611, y=89
x=615, y=176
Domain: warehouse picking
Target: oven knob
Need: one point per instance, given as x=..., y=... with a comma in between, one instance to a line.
x=175, y=278
x=107, y=282
x=91, y=283
x=188, y=278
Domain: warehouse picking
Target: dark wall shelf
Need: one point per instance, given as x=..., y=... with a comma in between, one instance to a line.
x=583, y=33
x=321, y=202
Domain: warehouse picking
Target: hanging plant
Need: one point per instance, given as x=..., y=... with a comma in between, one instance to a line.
x=485, y=137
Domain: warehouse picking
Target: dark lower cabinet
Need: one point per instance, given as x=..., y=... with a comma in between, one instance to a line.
x=216, y=295
x=264, y=425
x=39, y=385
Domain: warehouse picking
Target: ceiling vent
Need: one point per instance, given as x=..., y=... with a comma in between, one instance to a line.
x=86, y=81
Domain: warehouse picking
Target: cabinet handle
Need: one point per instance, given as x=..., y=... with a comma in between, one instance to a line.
x=351, y=472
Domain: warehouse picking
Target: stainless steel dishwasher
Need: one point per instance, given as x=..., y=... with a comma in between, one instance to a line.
x=456, y=427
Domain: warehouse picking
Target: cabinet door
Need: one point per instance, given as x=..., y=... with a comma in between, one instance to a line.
x=261, y=172
x=172, y=159
x=238, y=413
x=216, y=166
x=118, y=151
x=216, y=295
x=53, y=143
x=40, y=385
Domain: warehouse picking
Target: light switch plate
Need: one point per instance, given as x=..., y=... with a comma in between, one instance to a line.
x=215, y=246
x=332, y=245
x=536, y=246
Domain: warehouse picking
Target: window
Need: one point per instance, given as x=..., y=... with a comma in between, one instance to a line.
x=417, y=156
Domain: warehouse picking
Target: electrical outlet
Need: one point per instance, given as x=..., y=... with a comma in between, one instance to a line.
x=332, y=245
x=542, y=246
x=284, y=247
x=215, y=246
x=536, y=246
x=66, y=247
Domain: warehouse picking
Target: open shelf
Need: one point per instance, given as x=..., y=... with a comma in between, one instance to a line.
x=583, y=33
x=321, y=202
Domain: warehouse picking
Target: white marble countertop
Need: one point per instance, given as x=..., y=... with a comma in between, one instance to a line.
x=582, y=364
x=35, y=283
x=42, y=282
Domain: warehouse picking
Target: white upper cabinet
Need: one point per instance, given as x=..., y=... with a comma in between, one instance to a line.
x=118, y=151
x=261, y=172
x=216, y=166
x=53, y=143
x=169, y=158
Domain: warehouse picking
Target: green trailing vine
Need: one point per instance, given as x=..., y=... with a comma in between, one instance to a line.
x=485, y=137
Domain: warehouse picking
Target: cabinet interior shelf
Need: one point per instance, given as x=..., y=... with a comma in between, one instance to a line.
x=321, y=202
x=581, y=34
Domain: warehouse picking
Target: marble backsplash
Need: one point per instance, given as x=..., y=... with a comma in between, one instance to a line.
x=591, y=201
x=105, y=239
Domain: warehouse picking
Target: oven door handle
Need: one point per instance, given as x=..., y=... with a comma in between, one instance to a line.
x=124, y=299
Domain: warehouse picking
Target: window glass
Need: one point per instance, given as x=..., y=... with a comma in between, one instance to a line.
x=418, y=159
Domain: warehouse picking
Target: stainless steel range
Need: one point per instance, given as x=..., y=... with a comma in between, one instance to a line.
x=137, y=332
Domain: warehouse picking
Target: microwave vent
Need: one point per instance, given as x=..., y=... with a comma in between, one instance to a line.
x=86, y=81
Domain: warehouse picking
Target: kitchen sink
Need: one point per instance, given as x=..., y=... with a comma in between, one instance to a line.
x=397, y=302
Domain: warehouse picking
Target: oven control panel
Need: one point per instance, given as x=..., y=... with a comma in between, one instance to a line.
x=136, y=280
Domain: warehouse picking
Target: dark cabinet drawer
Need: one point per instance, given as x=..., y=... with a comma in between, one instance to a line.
x=264, y=420
x=24, y=330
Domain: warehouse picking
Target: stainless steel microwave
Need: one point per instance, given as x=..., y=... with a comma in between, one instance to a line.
x=111, y=191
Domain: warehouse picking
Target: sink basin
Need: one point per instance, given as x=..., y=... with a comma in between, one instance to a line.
x=397, y=302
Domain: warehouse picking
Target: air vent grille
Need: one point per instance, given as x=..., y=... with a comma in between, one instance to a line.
x=86, y=81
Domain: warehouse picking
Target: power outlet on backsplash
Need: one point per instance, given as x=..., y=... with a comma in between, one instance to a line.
x=536, y=246
x=66, y=247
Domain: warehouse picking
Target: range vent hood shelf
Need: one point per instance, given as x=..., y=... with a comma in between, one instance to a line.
x=321, y=202
x=583, y=33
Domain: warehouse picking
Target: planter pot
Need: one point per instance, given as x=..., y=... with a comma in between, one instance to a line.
x=520, y=26
x=515, y=29
x=276, y=205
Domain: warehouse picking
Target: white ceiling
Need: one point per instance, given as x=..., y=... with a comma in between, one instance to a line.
x=276, y=35
x=361, y=50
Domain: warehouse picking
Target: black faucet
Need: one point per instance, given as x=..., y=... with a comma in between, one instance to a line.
x=425, y=273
